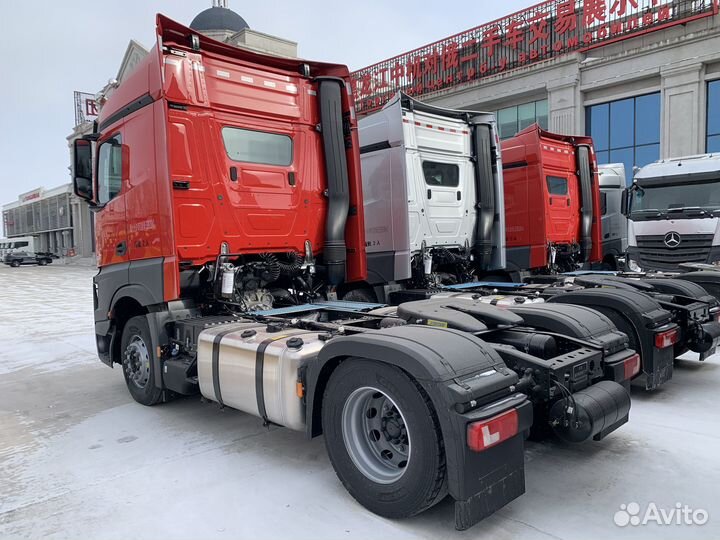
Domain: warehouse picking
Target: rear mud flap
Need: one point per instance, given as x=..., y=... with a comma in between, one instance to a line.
x=492, y=498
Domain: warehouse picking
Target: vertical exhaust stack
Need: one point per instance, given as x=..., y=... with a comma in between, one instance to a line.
x=485, y=164
x=586, y=186
x=338, y=191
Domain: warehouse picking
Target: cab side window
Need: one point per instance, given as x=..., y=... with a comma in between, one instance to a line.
x=441, y=174
x=109, y=173
x=557, y=185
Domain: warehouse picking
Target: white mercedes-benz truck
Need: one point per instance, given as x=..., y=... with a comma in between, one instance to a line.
x=673, y=210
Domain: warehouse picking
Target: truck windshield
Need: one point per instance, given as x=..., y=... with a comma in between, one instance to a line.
x=677, y=198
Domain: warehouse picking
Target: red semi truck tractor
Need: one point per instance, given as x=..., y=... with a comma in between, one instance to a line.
x=229, y=219
x=552, y=201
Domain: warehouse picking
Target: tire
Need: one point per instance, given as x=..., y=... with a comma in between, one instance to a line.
x=15, y=263
x=368, y=464
x=360, y=295
x=137, y=362
x=42, y=262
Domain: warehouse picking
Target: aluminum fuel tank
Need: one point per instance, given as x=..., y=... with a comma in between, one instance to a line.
x=252, y=366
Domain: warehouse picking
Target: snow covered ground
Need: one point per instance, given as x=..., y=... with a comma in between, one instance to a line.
x=80, y=459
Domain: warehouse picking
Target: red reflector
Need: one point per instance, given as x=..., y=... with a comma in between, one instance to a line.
x=667, y=338
x=632, y=366
x=487, y=433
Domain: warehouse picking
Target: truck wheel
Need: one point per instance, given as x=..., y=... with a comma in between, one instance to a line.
x=137, y=362
x=383, y=439
x=360, y=295
x=15, y=263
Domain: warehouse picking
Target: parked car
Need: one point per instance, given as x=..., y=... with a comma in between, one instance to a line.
x=18, y=258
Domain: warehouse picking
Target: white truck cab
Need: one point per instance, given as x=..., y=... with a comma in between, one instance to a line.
x=673, y=210
x=432, y=188
x=614, y=223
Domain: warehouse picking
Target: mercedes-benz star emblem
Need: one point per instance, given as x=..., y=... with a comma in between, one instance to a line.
x=672, y=239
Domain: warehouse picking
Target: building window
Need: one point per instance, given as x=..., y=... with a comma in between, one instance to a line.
x=626, y=131
x=512, y=120
x=713, y=118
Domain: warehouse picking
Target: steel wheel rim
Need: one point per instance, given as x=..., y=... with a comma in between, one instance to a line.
x=137, y=362
x=376, y=435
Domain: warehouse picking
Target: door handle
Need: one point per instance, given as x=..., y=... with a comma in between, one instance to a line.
x=429, y=193
x=459, y=196
x=121, y=248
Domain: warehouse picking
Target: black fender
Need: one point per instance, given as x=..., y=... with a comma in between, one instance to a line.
x=445, y=364
x=637, y=315
x=575, y=321
x=708, y=280
x=139, y=282
x=107, y=331
x=681, y=287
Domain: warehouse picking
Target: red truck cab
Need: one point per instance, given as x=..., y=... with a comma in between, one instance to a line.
x=552, y=201
x=209, y=149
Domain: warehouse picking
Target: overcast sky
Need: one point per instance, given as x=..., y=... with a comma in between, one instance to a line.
x=53, y=47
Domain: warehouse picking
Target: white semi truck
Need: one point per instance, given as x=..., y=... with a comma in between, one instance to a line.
x=673, y=210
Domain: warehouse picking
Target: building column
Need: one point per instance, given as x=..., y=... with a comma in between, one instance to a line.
x=563, y=105
x=682, y=108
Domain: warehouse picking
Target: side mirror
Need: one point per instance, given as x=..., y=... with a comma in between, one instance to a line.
x=624, y=202
x=82, y=169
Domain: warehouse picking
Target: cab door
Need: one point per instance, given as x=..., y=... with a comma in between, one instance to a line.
x=563, y=207
x=111, y=183
x=445, y=192
x=270, y=200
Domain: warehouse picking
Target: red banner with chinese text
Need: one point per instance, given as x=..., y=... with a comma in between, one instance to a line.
x=541, y=32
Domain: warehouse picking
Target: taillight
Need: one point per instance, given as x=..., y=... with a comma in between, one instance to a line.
x=488, y=433
x=632, y=366
x=668, y=338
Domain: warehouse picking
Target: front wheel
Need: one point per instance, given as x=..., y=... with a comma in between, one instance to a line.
x=42, y=262
x=383, y=439
x=15, y=263
x=137, y=362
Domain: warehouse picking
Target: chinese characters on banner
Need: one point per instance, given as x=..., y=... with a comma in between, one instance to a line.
x=541, y=32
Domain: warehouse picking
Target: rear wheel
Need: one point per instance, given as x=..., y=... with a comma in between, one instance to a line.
x=137, y=362
x=15, y=263
x=383, y=439
x=360, y=295
x=42, y=262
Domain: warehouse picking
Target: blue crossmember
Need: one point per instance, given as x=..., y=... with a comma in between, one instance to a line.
x=331, y=305
x=492, y=284
x=590, y=272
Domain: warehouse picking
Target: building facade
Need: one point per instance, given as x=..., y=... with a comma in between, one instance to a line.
x=55, y=217
x=642, y=77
